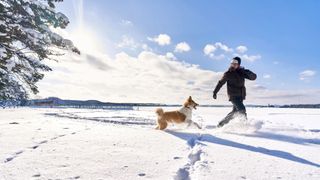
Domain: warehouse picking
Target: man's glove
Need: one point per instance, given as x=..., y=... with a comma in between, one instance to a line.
x=214, y=96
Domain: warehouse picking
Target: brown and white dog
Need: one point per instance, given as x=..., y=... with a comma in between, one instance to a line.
x=183, y=115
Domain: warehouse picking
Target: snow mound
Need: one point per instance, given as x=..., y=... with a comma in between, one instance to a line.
x=242, y=126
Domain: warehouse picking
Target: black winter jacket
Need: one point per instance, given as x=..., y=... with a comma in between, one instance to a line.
x=235, y=82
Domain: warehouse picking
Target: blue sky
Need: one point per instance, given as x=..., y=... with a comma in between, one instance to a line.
x=283, y=34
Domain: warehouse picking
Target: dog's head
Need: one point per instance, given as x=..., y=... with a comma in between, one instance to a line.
x=190, y=103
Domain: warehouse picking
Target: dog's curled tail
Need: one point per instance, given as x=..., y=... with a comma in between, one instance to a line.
x=159, y=111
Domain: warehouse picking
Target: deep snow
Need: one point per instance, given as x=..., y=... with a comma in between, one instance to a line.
x=45, y=143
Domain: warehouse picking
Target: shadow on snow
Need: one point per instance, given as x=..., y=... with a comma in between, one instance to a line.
x=225, y=142
x=281, y=137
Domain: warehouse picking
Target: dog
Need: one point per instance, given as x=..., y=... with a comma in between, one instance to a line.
x=183, y=115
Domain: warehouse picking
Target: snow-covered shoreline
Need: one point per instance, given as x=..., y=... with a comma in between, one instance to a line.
x=53, y=143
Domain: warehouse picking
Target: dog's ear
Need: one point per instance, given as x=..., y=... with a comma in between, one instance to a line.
x=190, y=98
x=185, y=104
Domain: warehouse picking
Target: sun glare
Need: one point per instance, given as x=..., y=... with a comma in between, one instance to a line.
x=85, y=40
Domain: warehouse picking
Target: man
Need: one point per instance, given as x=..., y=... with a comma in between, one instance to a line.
x=235, y=78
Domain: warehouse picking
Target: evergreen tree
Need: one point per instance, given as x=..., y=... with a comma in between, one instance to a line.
x=26, y=39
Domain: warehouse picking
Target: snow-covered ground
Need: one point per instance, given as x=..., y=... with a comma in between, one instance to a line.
x=49, y=143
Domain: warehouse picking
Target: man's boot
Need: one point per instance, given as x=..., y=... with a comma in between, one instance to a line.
x=226, y=119
x=242, y=115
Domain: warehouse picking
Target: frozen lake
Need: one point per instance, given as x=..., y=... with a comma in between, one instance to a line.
x=49, y=143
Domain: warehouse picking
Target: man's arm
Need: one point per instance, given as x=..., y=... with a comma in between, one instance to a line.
x=248, y=74
x=221, y=82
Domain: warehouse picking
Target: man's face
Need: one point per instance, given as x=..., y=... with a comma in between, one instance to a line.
x=234, y=65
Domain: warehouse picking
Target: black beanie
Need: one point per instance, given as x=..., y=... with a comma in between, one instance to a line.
x=237, y=59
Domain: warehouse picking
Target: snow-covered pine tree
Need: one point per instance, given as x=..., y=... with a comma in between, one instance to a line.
x=26, y=39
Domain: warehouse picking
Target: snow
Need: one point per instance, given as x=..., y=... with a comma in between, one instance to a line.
x=29, y=10
x=66, y=143
x=33, y=35
x=2, y=51
x=62, y=17
x=10, y=64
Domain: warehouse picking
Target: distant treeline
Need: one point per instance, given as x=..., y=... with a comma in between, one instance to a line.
x=57, y=102
x=54, y=101
x=301, y=106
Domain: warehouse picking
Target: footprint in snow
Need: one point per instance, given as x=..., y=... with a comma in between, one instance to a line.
x=8, y=159
x=34, y=147
x=42, y=142
x=19, y=152
x=14, y=123
x=36, y=175
x=210, y=127
x=54, y=138
x=12, y=157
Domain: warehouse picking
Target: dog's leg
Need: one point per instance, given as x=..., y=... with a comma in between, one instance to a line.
x=196, y=124
x=190, y=122
x=163, y=125
x=158, y=123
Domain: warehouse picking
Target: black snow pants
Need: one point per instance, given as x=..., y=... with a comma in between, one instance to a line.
x=238, y=109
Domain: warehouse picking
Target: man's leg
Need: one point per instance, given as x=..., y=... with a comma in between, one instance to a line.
x=240, y=108
x=228, y=117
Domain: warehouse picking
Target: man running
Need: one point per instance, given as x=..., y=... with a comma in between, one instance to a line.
x=235, y=78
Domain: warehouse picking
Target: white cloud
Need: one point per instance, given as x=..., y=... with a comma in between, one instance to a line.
x=125, y=22
x=223, y=47
x=170, y=55
x=146, y=47
x=209, y=49
x=251, y=58
x=182, y=47
x=128, y=42
x=220, y=51
x=161, y=39
x=217, y=57
x=266, y=76
x=150, y=77
x=297, y=96
x=306, y=75
x=242, y=49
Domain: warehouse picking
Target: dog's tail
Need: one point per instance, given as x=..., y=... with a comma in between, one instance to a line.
x=159, y=111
